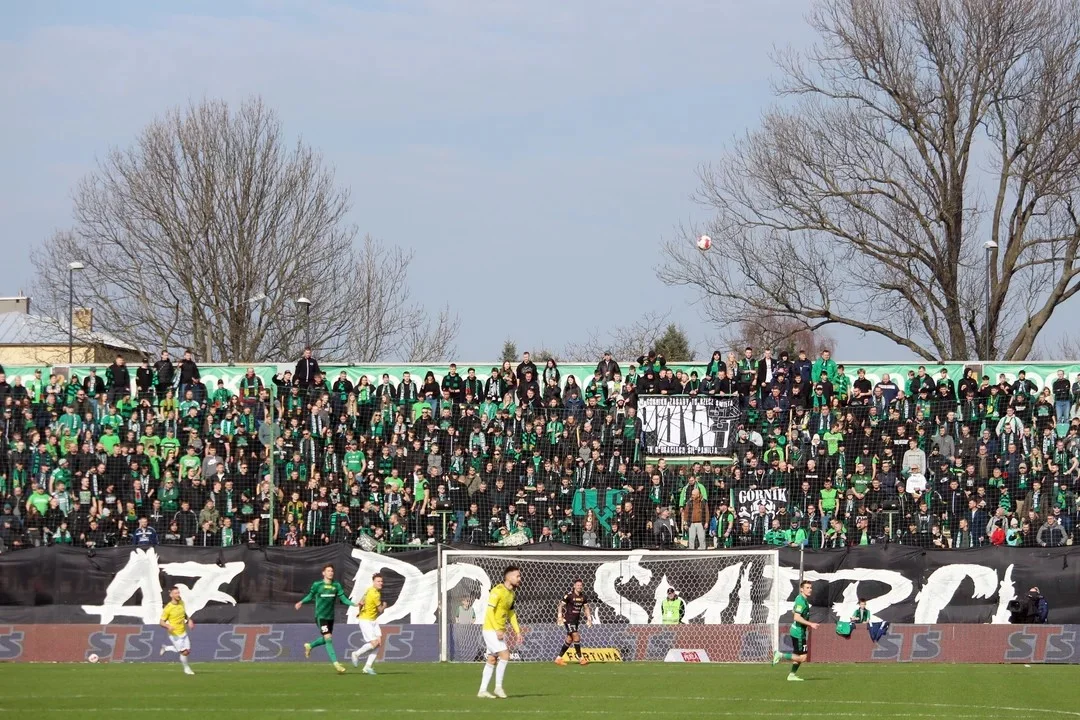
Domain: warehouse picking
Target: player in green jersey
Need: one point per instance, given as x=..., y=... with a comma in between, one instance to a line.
x=325, y=593
x=800, y=621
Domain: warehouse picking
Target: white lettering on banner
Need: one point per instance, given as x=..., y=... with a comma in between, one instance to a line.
x=900, y=588
x=419, y=596
x=1006, y=592
x=747, y=501
x=711, y=606
x=937, y=594
x=682, y=425
x=745, y=609
x=942, y=585
x=142, y=573
x=609, y=574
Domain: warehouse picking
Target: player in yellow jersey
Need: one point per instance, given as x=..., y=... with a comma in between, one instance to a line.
x=174, y=618
x=500, y=612
x=371, y=606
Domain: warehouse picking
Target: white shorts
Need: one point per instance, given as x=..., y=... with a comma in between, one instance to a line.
x=493, y=644
x=181, y=642
x=370, y=630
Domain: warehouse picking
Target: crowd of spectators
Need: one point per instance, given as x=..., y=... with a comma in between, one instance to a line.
x=153, y=456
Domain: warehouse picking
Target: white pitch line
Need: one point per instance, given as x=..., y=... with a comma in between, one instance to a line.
x=499, y=708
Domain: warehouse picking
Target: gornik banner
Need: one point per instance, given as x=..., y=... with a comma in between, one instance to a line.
x=259, y=586
x=684, y=425
x=747, y=501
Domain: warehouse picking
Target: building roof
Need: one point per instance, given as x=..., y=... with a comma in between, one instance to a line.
x=19, y=328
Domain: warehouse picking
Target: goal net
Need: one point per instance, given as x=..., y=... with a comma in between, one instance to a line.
x=732, y=603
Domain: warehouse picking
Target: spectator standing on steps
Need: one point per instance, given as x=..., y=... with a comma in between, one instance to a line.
x=307, y=368
x=695, y=517
x=118, y=380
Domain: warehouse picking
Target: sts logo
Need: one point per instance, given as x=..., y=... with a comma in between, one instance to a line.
x=250, y=642
x=909, y=643
x=120, y=643
x=11, y=641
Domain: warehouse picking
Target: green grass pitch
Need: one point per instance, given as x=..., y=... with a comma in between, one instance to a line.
x=312, y=689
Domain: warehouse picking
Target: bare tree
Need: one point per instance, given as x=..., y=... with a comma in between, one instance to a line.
x=919, y=130
x=207, y=229
x=628, y=342
x=779, y=334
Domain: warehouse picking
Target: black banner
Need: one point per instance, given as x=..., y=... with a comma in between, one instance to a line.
x=682, y=425
x=748, y=501
x=241, y=585
x=912, y=585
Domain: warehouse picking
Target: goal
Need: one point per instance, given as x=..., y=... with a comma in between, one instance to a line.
x=732, y=602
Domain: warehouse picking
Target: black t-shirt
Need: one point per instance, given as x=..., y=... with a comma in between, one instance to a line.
x=573, y=606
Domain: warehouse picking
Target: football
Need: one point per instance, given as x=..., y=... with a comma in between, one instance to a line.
x=704, y=242
x=92, y=657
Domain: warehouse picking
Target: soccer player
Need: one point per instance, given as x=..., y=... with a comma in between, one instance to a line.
x=370, y=609
x=174, y=618
x=571, y=607
x=325, y=593
x=799, y=623
x=500, y=611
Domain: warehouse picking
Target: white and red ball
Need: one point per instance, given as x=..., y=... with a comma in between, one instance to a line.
x=92, y=658
x=704, y=243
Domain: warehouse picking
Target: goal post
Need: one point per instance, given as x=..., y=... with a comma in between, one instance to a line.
x=732, y=602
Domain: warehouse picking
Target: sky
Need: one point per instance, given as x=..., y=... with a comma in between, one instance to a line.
x=560, y=137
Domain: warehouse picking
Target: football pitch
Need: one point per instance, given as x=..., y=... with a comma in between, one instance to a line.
x=293, y=690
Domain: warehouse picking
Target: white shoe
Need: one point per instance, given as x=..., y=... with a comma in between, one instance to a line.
x=161, y=651
x=355, y=655
x=500, y=693
x=188, y=671
x=485, y=694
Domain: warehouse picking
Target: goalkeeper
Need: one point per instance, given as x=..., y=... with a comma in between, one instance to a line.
x=573, y=605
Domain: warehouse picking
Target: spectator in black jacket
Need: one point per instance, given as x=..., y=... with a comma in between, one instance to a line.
x=164, y=374
x=118, y=380
x=307, y=368
x=189, y=374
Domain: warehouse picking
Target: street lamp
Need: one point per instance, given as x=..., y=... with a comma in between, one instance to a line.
x=72, y=267
x=990, y=247
x=306, y=304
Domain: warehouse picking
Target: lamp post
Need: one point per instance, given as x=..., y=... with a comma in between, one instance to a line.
x=72, y=267
x=990, y=246
x=306, y=304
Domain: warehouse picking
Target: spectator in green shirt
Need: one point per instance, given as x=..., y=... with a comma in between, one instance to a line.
x=794, y=536
x=774, y=535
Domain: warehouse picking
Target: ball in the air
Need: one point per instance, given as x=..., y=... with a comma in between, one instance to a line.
x=704, y=242
x=92, y=657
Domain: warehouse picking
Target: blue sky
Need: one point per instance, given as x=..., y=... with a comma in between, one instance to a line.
x=562, y=138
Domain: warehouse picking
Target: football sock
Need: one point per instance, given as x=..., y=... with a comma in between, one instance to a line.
x=366, y=647
x=785, y=656
x=370, y=660
x=168, y=649
x=577, y=647
x=330, y=652
x=316, y=643
x=183, y=660
x=794, y=668
x=564, y=649
x=500, y=671
x=485, y=680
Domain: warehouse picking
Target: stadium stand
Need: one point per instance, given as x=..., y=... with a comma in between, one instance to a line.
x=523, y=453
